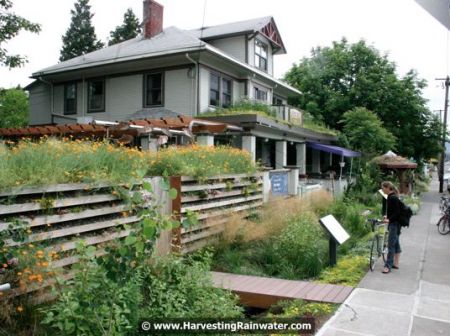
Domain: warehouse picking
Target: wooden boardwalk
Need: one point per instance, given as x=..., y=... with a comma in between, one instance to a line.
x=263, y=292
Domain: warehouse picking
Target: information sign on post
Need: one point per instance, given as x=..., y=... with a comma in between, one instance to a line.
x=337, y=234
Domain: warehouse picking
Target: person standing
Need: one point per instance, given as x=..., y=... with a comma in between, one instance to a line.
x=391, y=211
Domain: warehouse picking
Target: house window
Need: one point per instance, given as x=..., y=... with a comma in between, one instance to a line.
x=260, y=55
x=277, y=101
x=214, y=90
x=220, y=91
x=153, y=89
x=96, y=96
x=226, y=92
x=260, y=95
x=70, y=98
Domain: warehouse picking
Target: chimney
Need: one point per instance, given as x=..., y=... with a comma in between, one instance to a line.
x=153, y=18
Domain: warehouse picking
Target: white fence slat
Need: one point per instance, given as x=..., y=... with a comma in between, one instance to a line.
x=199, y=187
x=201, y=235
x=220, y=177
x=219, y=194
x=89, y=240
x=213, y=214
x=53, y=219
x=74, y=230
x=58, y=203
x=221, y=203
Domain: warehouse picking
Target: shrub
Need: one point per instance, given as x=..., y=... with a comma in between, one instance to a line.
x=348, y=271
x=296, y=308
x=174, y=287
x=301, y=248
x=93, y=304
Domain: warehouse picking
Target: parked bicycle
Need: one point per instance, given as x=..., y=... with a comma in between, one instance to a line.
x=444, y=203
x=379, y=241
x=443, y=222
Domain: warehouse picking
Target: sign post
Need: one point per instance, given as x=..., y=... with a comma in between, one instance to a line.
x=337, y=234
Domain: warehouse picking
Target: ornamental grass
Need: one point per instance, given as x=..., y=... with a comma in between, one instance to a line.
x=51, y=161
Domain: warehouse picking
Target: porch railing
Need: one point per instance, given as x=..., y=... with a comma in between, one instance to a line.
x=288, y=113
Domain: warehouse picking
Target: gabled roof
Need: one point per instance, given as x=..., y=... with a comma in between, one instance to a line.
x=172, y=40
x=264, y=25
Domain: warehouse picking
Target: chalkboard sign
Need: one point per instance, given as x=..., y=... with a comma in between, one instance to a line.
x=279, y=182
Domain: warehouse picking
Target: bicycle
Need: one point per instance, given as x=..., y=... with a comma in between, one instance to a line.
x=443, y=222
x=379, y=242
x=444, y=203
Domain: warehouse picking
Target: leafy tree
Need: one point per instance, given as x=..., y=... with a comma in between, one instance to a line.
x=365, y=132
x=344, y=76
x=14, y=108
x=80, y=38
x=10, y=26
x=128, y=30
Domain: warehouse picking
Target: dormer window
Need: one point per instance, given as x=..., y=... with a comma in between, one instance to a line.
x=260, y=55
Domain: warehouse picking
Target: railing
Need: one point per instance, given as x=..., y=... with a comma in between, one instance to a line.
x=288, y=113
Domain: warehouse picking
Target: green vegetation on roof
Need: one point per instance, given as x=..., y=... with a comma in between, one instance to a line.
x=247, y=106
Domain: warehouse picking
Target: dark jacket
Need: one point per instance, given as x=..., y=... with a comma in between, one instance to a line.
x=393, y=209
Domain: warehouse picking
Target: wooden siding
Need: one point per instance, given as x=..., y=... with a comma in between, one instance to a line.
x=234, y=46
x=124, y=96
x=179, y=95
x=40, y=104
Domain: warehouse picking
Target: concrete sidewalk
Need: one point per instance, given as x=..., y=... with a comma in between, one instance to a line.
x=414, y=300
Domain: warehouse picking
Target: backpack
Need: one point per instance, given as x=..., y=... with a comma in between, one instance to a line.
x=405, y=214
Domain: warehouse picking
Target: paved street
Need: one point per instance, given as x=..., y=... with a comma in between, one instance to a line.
x=414, y=300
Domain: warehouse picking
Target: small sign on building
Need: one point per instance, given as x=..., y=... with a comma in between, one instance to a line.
x=279, y=182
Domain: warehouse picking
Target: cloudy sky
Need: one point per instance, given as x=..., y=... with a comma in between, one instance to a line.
x=407, y=33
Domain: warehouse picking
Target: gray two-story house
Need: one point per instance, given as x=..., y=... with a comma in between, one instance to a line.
x=164, y=71
x=171, y=72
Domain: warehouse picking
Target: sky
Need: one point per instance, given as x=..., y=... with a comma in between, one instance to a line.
x=402, y=29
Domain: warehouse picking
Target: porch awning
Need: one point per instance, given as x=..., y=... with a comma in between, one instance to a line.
x=333, y=149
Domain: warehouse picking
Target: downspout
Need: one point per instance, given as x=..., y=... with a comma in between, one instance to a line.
x=52, y=97
x=197, y=86
x=83, y=112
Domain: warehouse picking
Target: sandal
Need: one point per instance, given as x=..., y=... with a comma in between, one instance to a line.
x=395, y=267
x=386, y=270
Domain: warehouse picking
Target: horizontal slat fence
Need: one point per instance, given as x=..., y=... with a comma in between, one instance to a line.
x=213, y=200
x=59, y=216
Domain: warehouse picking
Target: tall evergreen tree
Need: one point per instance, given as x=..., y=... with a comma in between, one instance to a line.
x=128, y=30
x=10, y=26
x=80, y=38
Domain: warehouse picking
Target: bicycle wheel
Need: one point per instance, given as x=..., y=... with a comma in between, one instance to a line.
x=443, y=226
x=374, y=252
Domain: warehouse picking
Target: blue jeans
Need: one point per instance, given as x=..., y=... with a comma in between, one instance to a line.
x=393, y=244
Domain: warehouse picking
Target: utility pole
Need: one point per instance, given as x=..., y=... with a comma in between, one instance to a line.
x=444, y=133
x=440, y=114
